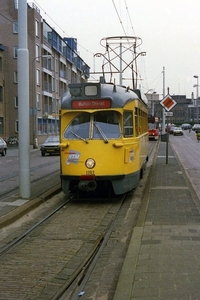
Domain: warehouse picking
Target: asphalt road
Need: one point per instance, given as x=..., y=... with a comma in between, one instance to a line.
x=187, y=149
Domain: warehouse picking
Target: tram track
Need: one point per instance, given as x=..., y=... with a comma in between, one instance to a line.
x=14, y=243
x=98, y=232
x=34, y=168
x=63, y=253
x=84, y=271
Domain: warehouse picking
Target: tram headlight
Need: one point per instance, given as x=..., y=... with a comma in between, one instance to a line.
x=90, y=163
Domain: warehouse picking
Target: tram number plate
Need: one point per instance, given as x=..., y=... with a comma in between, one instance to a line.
x=89, y=172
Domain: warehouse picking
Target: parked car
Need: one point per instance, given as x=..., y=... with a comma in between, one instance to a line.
x=177, y=131
x=50, y=146
x=171, y=129
x=3, y=147
x=186, y=126
x=195, y=127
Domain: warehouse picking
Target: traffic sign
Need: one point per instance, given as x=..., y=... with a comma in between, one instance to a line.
x=168, y=103
x=168, y=114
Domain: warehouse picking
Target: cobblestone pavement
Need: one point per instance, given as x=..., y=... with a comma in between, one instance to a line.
x=163, y=259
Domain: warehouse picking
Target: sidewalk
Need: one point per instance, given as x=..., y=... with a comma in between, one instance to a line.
x=12, y=207
x=163, y=259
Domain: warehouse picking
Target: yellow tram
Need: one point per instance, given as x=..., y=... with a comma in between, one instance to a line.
x=103, y=138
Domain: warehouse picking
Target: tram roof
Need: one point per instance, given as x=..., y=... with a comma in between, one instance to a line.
x=119, y=95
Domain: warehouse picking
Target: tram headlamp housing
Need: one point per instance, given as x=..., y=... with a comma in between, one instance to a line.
x=90, y=163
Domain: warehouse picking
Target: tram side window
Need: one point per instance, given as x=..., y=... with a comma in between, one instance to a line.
x=128, y=124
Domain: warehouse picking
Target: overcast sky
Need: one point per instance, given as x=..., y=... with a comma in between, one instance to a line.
x=169, y=29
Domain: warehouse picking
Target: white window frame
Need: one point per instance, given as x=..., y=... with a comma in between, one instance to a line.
x=37, y=52
x=38, y=101
x=16, y=101
x=16, y=126
x=56, y=86
x=15, y=52
x=37, y=28
x=15, y=77
x=53, y=84
x=56, y=65
x=15, y=27
x=38, y=77
x=16, y=4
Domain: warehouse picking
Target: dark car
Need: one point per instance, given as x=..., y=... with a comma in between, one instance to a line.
x=50, y=146
x=186, y=126
x=3, y=147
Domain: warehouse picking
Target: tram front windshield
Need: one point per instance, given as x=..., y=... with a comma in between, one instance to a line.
x=101, y=125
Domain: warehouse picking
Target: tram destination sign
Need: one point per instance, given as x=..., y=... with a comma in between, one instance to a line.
x=168, y=103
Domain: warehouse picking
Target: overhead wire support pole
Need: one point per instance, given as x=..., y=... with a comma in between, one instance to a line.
x=112, y=44
x=23, y=102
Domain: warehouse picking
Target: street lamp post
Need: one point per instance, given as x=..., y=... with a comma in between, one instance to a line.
x=152, y=104
x=197, y=96
x=34, y=103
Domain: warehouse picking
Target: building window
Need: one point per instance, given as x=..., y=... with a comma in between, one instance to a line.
x=16, y=126
x=53, y=63
x=1, y=126
x=15, y=27
x=38, y=101
x=16, y=101
x=15, y=77
x=37, y=28
x=15, y=52
x=56, y=85
x=16, y=4
x=38, y=77
x=56, y=65
x=37, y=52
x=53, y=84
x=1, y=94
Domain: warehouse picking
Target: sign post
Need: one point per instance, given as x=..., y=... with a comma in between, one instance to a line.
x=168, y=103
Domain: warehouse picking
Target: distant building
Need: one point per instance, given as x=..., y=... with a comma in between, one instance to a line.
x=185, y=111
x=180, y=110
x=53, y=64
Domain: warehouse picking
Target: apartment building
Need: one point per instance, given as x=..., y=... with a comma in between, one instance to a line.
x=2, y=96
x=53, y=64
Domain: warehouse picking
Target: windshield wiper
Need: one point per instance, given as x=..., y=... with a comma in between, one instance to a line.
x=101, y=132
x=79, y=137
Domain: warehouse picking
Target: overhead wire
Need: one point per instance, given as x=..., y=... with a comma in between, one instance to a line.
x=60, y=27
x=129, y=17
x=121, y=23
x=119, y=18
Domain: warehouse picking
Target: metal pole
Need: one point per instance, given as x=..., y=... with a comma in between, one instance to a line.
x=23, y=105
x=167, y=143
x=197, y=100
x=33, y=111
x=163, y=123
x=197, y=96
x=120, y=74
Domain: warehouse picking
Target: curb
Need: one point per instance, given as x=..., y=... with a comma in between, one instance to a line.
x=19, y=212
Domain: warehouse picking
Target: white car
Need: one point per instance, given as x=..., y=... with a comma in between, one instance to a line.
x=3, y=147
x=50, y=146
x=177, y=131
x=195, y=127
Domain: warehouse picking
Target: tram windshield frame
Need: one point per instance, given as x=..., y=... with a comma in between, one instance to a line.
x=99, y=125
